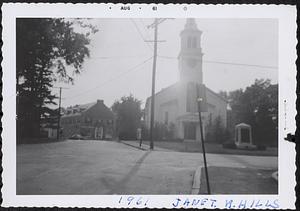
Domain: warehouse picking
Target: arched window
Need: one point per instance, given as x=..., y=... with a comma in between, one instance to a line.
x=194, y=42
x=166, y=117
x=191, y=104
x=189, y=42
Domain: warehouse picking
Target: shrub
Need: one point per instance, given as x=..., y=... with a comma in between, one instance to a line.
x=217, y=132
x=261, y=147
x=163, y=131
x=229, y=145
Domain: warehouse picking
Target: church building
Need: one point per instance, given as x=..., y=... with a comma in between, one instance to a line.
x=176, y=105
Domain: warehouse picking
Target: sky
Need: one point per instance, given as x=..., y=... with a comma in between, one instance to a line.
x=121, y=61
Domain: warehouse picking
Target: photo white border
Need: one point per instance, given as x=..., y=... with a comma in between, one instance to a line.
x=286, y=16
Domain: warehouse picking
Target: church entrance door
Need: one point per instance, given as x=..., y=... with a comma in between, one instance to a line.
x=190, y=131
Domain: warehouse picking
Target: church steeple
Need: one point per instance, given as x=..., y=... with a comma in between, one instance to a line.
x=190, y=56
x=190, y=24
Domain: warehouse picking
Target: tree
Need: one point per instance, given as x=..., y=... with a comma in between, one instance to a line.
x=47, y=50
x=128, y=112
x=223, y=94
x=257, y=106
x=217, y=132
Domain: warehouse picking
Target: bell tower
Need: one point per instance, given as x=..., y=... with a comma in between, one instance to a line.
x=190, y=56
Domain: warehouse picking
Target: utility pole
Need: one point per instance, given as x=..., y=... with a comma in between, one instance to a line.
x=201, y=99
x=59, y=111
x=58, y=119
x=153, y=85
x=154, y=25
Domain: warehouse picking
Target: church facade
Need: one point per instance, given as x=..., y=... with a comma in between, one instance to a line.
x=176, y=105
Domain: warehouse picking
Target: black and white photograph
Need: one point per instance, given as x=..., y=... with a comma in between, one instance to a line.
x=148, y=106
x=88, y=124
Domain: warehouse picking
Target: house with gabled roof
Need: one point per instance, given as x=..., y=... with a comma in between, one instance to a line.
x=92, y=121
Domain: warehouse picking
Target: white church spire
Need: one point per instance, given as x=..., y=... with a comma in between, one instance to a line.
x=190, y=24
x=190, y=56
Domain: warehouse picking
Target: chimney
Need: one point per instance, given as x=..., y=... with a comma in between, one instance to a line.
x=100, y=101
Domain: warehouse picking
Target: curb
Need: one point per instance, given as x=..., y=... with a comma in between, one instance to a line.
x=275, y=175
x=137, y=147
x=145, y=147
x=196, y=181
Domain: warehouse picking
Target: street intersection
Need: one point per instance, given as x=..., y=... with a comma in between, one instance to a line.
x=109, y=167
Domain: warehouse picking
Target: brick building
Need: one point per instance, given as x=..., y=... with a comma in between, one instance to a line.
x=93, y=121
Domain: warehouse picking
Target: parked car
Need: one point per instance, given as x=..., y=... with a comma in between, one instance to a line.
x=77, y=137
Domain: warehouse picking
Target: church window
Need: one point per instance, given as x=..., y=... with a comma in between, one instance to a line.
x=194, y=42
x=191, y=105
x=166, y=117
x=188, y=97
x=189, y=42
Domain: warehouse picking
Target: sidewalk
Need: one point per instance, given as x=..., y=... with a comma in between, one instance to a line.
x=144, y=146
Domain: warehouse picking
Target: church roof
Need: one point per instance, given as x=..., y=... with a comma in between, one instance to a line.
x=219, y=96
x=166, y=88
x=173, y=85
x=161, y=91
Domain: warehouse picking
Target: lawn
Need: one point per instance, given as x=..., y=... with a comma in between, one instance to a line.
x=192, y=146
x=245, y=181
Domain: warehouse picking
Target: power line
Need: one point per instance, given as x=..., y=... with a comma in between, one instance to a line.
x=116, y=57
x=228, y=63
x=241, y=64
x=140, y=33
x=112, y=79
x=159, y=21
x=144, y=25
x=166, y=57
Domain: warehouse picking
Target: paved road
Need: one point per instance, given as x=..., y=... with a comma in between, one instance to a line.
x=106, y=167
